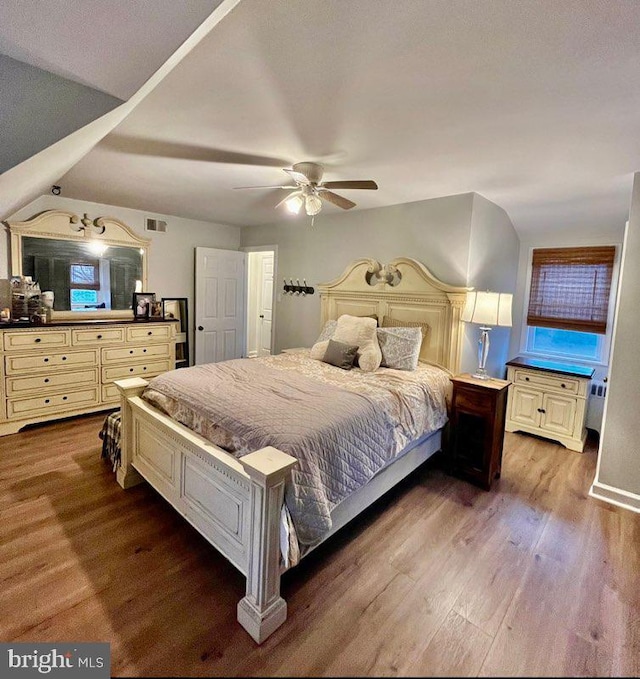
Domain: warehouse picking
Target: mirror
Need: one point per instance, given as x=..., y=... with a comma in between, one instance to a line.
x=93, y=267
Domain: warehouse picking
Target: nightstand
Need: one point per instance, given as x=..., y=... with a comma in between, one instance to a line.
x=478, y=410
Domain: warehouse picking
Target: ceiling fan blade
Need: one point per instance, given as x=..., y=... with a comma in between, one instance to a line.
x=266, y=187
x=334, y=198
x=351, y=184
x=296, y=176
x=286, y=198
x=167, y=149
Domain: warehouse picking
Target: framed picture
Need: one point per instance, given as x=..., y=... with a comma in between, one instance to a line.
x=156, y=311
x=142, y=305
x=172, y=308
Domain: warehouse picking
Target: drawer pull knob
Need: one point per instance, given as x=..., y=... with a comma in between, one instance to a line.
x=130, y=351
x=99, y=336
x=47, y=400
x=150, y=332
x=64, y=358
x=526, y=379
x=130, y=370
x=46, y=380
x=145, y=367
x=37, y=339
x=144, y=351
x=64, y=398
x=46, y=360
x=541, y=410
x=563, y=385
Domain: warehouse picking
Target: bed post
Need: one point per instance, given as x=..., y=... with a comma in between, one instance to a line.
x=263, y=610
x=126, y=475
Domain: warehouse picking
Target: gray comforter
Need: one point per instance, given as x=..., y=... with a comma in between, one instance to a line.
x=340, y=437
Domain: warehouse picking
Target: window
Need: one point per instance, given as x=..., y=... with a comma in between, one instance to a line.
x=569, y=301
x=85, y=285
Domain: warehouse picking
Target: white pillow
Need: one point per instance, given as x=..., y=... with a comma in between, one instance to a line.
x=361, y=331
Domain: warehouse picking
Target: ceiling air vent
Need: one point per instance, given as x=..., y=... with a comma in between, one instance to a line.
x=155, y=225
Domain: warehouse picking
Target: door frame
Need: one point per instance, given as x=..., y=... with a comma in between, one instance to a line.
x=262, y=248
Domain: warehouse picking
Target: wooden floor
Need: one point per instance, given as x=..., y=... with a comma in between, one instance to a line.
x=438, y=578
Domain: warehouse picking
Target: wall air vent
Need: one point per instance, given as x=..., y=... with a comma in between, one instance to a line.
x=155, y=225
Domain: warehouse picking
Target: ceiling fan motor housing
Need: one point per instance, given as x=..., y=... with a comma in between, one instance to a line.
x=312, y=171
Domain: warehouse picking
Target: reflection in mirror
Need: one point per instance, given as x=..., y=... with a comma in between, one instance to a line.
x=84, y=276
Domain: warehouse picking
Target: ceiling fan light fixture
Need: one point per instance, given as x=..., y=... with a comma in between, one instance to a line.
x=313, y=205
x=294, y=203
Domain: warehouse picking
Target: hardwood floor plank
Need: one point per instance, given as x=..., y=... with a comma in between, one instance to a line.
x=438, y=577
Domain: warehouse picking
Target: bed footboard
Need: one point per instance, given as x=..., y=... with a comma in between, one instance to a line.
x=234, y=504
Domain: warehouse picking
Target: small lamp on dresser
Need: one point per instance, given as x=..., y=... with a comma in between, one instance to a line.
x=487, y=309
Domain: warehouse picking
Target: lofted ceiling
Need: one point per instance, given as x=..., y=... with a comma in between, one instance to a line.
x=533, y=104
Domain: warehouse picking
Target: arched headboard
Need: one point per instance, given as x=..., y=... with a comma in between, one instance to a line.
x=404, y=290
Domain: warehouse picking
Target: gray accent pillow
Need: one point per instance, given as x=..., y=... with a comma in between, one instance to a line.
x=340, y=354
x=400, y=347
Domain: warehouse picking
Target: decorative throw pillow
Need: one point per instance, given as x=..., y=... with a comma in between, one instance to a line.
x=388, y=322
x=340, y=354
x=400, y=347
x=362, y=332
x=327, y=331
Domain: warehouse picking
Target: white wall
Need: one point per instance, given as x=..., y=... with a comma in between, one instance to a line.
x=618, y=472
x=436, y=232
x=493, y=265
x=171, y=255
x=38, y=108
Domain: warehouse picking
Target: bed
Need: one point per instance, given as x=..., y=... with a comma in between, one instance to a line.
x=237, y=501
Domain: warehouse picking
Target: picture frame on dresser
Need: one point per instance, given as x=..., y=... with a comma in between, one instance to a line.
x=141, y=305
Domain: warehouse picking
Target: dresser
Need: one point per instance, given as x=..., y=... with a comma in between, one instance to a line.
x=549, y=399
x=59, y=370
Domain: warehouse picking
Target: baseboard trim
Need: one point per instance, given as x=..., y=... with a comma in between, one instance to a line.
x=615, y=496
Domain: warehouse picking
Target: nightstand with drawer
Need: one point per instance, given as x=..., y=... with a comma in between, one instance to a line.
x=549, y=399
x=478, y=409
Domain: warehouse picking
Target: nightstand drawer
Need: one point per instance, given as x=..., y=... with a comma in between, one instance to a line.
x=568, y=385
x=474, y=401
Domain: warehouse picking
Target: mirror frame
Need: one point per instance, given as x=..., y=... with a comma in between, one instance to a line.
x=63, y=225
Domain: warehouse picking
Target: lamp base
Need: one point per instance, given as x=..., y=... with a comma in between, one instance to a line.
x=483, y=352
x=481, y=374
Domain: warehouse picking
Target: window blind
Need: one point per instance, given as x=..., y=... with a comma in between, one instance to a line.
x=570, y=288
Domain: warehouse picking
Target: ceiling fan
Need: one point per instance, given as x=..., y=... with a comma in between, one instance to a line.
x=309, y=189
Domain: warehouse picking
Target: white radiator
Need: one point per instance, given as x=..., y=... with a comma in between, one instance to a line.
x=597, y=393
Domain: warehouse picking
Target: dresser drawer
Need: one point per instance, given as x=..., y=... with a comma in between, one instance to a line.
x=110, y=393
x=21, y=340
x=49, y=361
x=65, y=401
x=560, y=383
x=21, y=386
x=149, y=332
x=149, y=368
x=120, y=354
x=97, y=336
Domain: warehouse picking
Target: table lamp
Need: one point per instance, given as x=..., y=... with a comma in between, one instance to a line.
x=487, y=309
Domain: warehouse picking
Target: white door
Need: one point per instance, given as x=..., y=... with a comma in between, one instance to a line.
x=220, y=299
x=265, y=308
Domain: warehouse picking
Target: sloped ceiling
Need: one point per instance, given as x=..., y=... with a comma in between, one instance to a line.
x=531, y=104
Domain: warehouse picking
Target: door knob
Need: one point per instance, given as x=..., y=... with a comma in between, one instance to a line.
x=200, y=328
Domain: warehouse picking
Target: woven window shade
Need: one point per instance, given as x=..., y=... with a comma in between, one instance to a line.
x=570, y=288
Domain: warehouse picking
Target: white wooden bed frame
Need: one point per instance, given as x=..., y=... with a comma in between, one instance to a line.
x=236, y=503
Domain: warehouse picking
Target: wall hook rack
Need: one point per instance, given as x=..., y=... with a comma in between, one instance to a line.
x=296, y=289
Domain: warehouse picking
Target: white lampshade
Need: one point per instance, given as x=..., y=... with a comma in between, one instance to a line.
x=313, y=205
x=488, y=308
